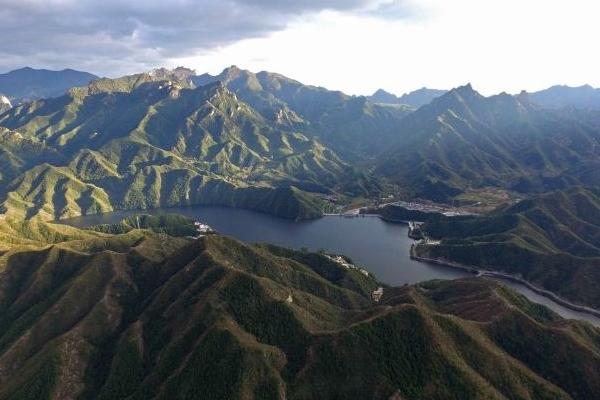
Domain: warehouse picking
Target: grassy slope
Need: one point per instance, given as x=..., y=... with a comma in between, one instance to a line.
x=146, y=316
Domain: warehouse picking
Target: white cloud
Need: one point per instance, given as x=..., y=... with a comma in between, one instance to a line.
x=353, y=45
x=496, y=45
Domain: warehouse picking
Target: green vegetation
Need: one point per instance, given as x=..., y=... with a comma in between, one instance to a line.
x=143, y=315
x=551, y=240
x=154, y=140
x=463, y=140
x=170, y=224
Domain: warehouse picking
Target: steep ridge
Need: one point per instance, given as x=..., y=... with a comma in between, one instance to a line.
x=146, y=142
x=552, y=241
x=353, y=126
x=463, y=139
x=143, y=315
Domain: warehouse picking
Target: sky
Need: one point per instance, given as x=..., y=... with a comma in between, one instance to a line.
x=356, y=46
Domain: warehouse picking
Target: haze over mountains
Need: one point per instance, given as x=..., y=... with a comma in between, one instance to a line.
x=415, y=98
x=30, y=84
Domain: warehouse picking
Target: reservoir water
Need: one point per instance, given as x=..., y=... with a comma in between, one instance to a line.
x=381, y=247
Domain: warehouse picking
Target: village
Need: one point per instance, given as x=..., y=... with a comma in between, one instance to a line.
x=342, y=262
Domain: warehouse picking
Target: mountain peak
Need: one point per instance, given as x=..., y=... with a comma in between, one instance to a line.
x=383, y=96
x=467, y=88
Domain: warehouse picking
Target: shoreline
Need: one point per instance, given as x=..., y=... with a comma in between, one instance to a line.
x=492, y=274
x=502, y=275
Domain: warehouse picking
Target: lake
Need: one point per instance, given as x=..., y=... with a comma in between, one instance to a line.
x=380, y=247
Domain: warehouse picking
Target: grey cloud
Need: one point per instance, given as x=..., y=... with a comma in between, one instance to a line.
x=119, y=36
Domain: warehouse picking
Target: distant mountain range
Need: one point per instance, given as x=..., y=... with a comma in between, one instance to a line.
x=30, y=84
x=566, y=96
x=415, y=98
x=463, y=139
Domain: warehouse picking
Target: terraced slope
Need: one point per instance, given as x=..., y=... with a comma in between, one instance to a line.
x=552, y=240
x=465, y=140
x=146, y=316
x=153, y=140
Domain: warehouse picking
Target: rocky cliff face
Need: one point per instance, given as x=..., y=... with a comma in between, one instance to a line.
x=5, y=103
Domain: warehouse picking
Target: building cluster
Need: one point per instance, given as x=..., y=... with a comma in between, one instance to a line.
x=431, y=208
x=342, y=262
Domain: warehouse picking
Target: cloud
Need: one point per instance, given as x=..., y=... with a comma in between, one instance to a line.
x=113, y=37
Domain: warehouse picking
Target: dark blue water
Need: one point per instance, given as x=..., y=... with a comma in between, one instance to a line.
x=380, y=247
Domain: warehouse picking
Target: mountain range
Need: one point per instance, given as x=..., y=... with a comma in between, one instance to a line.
x=144, y=309
x=464, y=140
x=416, y=98
x=270, y=143
x=145, y=315
x=561, y=96
x=152, y=140
x=30, y=84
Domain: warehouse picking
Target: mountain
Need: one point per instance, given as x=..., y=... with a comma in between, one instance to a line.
x=155, y=139
x=416, y=98
x=551, y=240
x=382, y=96
x=144, y=315
x=352, y=126
x=5, y=103
x=30, y=84
x=560, y=96
x=463, y=140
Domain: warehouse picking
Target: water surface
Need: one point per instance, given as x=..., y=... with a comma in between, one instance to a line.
x=380, y=247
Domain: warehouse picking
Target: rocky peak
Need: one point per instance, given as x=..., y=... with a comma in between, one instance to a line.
x=382, y=96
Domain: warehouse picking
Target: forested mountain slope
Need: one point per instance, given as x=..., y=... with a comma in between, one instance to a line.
x=552, y=240
x=463, y=139
x=144, y=315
